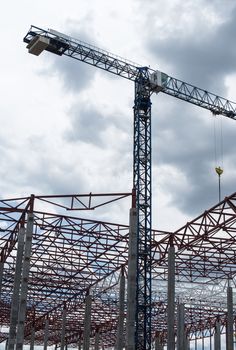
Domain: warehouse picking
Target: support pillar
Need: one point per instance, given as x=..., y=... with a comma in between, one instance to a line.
x=180, y=327
x=16, y=289
x=230, y=319
x=131, y=285
x=96, y=344
x=32, y=338
x=120, y=328
x=46, y=334
x=158, y=345
x=217, y=340
x=1, y=276
x=63, y=329
x=171, y=299
x=24, y=283
x=79, y=343
x=87, y=322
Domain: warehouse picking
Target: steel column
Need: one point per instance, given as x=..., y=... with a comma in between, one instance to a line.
x=24, y=282
x=16, y=289
x=131, y=284
x=120, y=328
x=142, y=185
x=87, y=322
x=171, y=299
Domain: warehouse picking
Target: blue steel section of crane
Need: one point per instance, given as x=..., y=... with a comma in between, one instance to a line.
x=61, y=44
x=142, y=184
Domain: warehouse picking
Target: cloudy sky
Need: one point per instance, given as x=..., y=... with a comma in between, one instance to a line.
x=67, y=127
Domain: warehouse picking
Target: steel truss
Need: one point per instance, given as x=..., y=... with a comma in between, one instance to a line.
x=71, y=256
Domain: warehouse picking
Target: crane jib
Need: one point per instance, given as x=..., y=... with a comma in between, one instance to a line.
x=50, y=40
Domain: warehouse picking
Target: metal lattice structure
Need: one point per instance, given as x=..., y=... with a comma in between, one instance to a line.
x=71, y=256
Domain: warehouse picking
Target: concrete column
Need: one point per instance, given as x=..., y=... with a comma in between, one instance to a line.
x=32, y=338
x=131, y=285
x=96, y=345
x=46, y=334
x=24, y=283
x=63, y=329
x=187, y=343
x=79, y=343
x=217, y=344
x=16, y=289
x=87, y=322
x=180, y=327
x=171, y=299
x=1, y=276
x=120, y=328
x=230, y=319
x=158, y=345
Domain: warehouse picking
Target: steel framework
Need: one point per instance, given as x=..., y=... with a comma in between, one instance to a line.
x=71, y=256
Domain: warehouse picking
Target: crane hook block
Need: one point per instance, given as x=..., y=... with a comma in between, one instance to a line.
x=219, y=171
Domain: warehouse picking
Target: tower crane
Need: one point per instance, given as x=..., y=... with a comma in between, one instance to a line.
x=147, y=81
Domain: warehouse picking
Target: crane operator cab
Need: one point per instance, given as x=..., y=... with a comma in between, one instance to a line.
x=158, y=81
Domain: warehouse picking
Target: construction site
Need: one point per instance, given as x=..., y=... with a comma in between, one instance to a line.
x=69, y=281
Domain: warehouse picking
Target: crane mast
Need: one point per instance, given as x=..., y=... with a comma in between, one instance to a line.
x=146, y=81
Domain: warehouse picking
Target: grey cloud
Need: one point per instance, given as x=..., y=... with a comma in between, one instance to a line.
x=182, y=138
x=87, y=125
x=203, y=57
x=74, y=75
x=90, y=126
